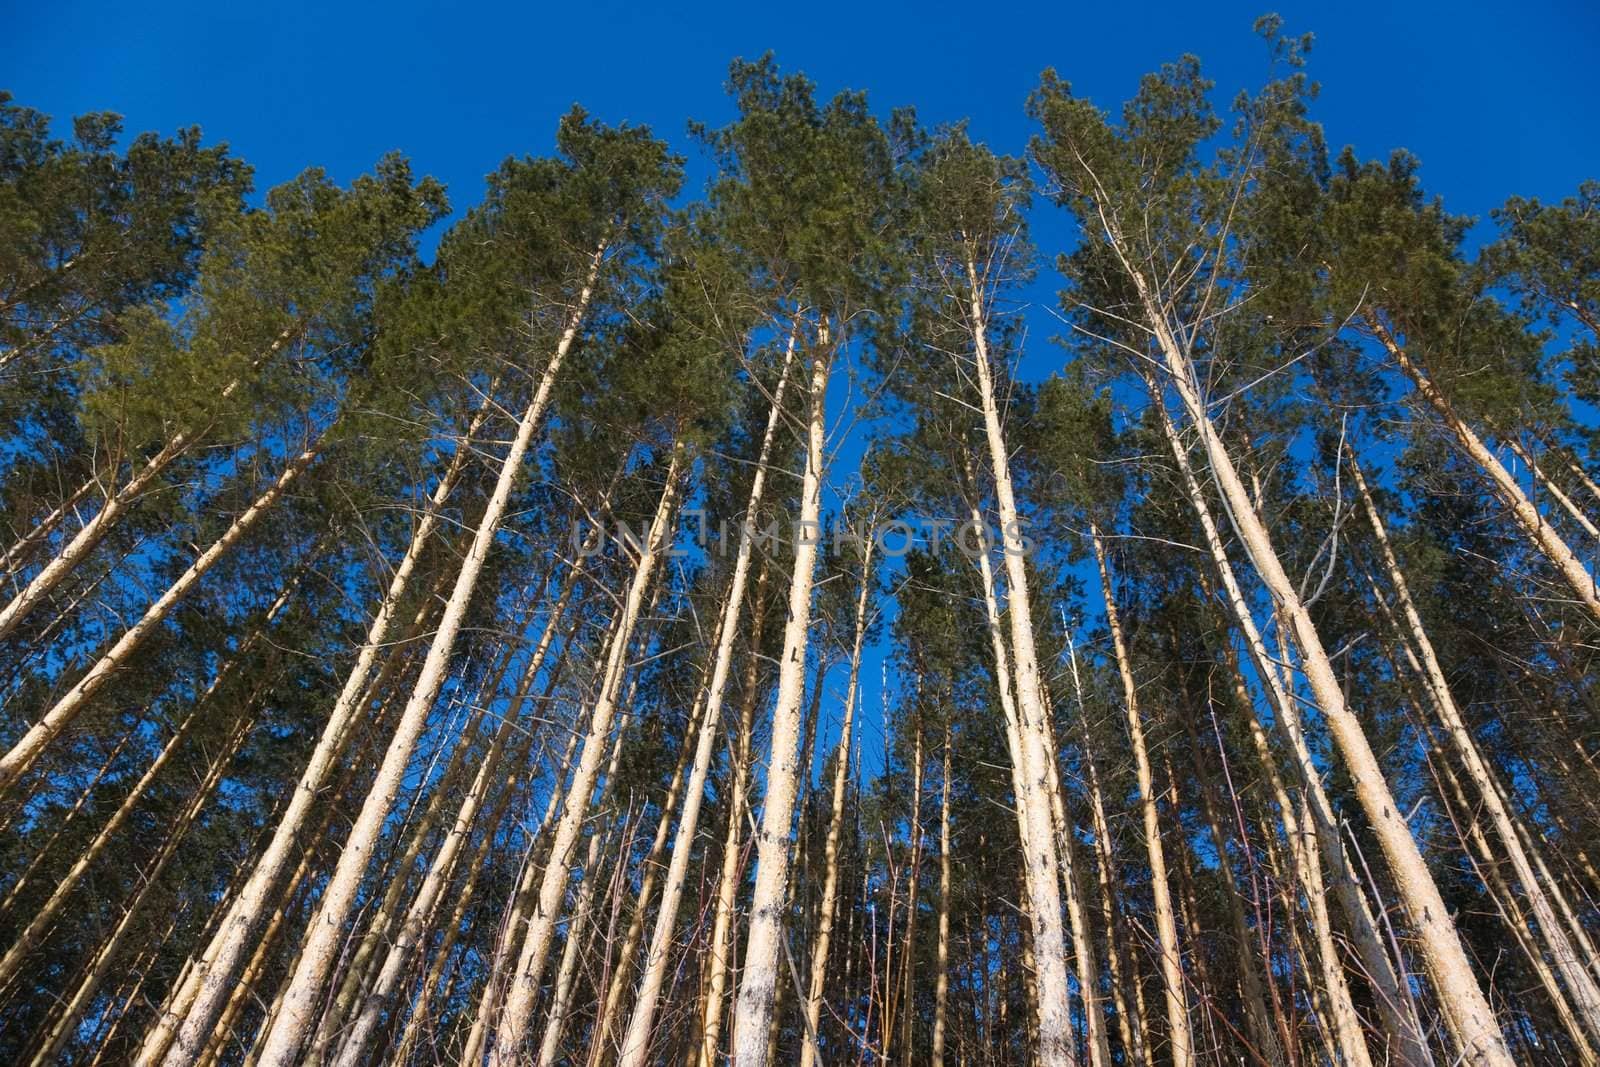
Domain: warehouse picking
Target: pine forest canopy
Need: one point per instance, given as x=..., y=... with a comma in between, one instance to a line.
x=1236, y=694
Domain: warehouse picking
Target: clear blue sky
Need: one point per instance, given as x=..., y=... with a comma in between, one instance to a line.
x=1494, y=101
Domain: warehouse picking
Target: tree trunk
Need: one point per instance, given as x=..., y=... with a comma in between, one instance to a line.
x=636, y=1040
x=515, y=1015
x=90, y=533
x=582, y=908
x=1409, y=1046
x=178, y=1037
x=1179, y=1033
x=909, y=956
x=758, y=984
x=1575, y=974
x=45, y=914
x=719, y=952
x=1042, y=865
x=941, y=984
x=338, y=897
x=1301, y=835
x=23, y=754
x=67, y=1021
x=810, y=1053
x=1472, y=1022
x=426, y=897
x=1541, y=533
x=22, y=546
x=490, y=997
x=1130, y=1024
x=611, y=1004
x=1269, y=1043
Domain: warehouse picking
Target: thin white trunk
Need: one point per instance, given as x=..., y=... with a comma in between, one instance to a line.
x=1471, y=1020
x=413, y=926
x=1178, y=1029
x=636, y=1041
x=46, y=914
x=179, y=1036
x=758, y=985
x=27, y=749
x=359, y=978
x=88, y=536
x=1544, y=536
x=1131, y=1025
x=296, y=1020
x=1042, y=863
x=841, y=770
x=1566, y=502
x=22, y=546
x=719, y=953
x=90, y=533
x=1568, y=962
x=560, y=1007
x=47, y=911
x=1475, y=841
x=941, y=984
x=610, y=1007
x=147, y=880
x=1394, y=1000
x=512, y=1028
x=489, y=998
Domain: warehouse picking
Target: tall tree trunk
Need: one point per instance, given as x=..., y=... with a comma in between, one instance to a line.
x=338, y=897
x=1131, y=1026
x=1476, y=844
x=1408, y=1045
x=66, y=1022
x=27, y=749
x=1077, y=918
x=909, y=956
x=45, y=914
x=92, y=532
x=22, y=547
x=326, y=929
x=560, y=1008
x=1471, y=1020
x=394, y=874
x=453, y=927
x=1178, y=1029
x=758, y=985
x=517, y=1011
x=636, y=1040
x=1042, y=864
x=1544, y=536
x=426, y=897
x=178, y=1036
x=941, y=984
x=562, y=995
x=87, y=793
x=1269, y=1043
x=809, y=1053
x=719, y=952
x=428, y=893
x=611, y=1004
x=1301, y=835
x=511, y=923
x=88, y=537
x=1543, y=480
x=1575, y=971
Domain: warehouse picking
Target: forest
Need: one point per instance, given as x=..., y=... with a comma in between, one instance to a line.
x=643, y=620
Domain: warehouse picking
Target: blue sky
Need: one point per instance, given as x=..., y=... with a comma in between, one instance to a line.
x=1493, y=102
